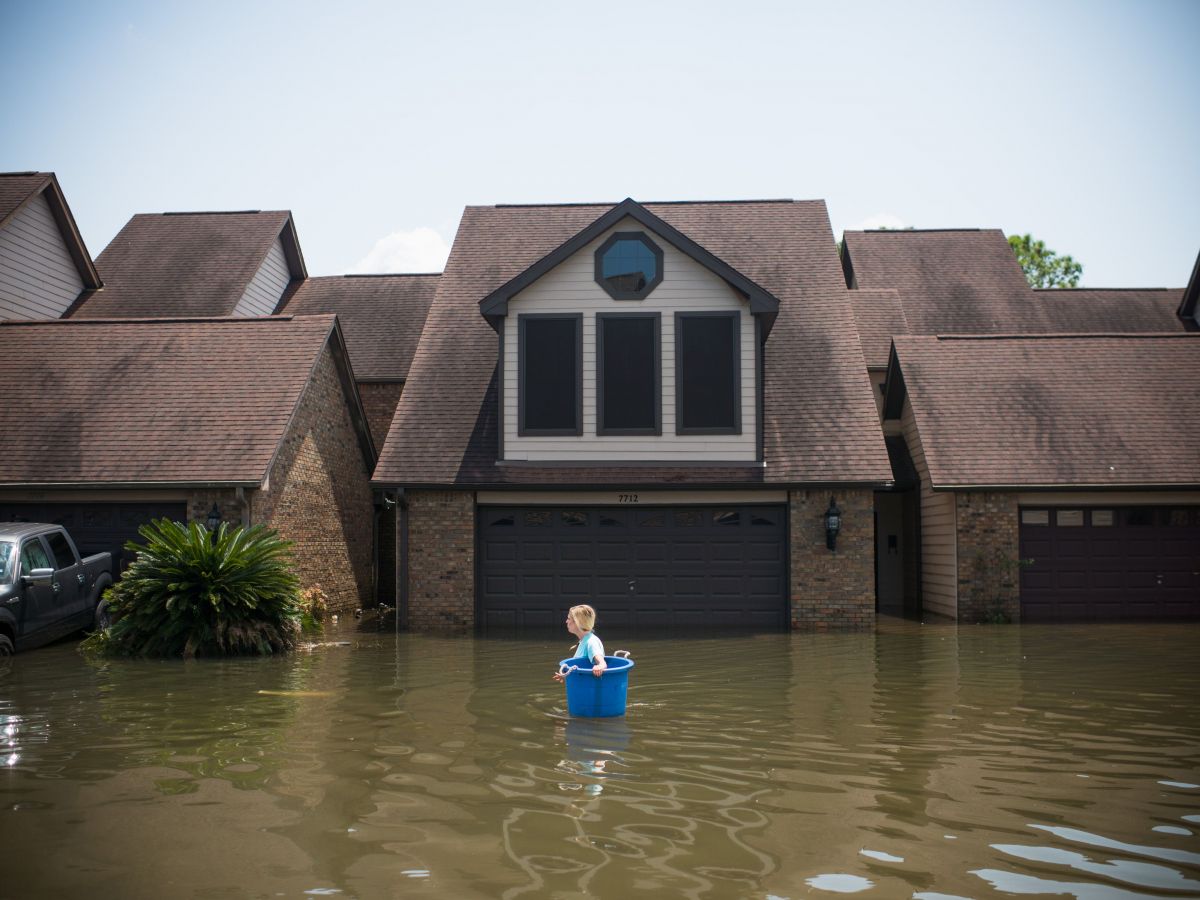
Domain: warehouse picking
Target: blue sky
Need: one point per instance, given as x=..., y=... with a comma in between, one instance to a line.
x=375, y=123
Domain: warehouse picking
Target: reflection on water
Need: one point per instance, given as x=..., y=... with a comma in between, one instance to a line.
x=919, y=761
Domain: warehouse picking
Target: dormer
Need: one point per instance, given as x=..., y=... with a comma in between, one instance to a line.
x=630, y=343
x=44, y=265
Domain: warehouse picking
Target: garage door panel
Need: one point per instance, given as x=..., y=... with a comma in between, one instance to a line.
x=687, y=566
x=500, y=551
x=575, y=551
x=613, y=552
x=537, y=551
x=688, y=552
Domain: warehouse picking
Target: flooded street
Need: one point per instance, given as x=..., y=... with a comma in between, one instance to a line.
x=925, y=761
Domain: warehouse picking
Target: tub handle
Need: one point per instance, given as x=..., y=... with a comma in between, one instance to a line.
x=621, y=654
x=565, y=670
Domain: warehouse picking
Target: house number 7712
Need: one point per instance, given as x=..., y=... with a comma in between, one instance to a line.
x=627, y=498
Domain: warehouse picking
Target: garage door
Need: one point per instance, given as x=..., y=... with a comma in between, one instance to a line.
x=1109, y=564
x=658, y=569
x=96, y=527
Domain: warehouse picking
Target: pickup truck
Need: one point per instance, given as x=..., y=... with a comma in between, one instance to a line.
x=46, y=590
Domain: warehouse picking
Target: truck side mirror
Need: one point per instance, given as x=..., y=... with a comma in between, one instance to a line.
x=38, y=577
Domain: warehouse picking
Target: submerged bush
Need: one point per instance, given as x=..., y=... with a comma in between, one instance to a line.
x=194, y=592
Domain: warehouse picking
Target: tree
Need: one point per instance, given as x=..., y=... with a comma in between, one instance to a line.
x=1043, y=267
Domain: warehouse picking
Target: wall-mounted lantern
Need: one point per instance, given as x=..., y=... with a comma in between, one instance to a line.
x=214, y=518
x=833, y=524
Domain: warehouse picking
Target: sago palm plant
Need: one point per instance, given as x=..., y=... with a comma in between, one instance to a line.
x=194, y=592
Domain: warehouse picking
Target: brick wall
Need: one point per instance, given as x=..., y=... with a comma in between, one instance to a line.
x=319, y=495
x=379, y=399
x=988, y=557
x=832, y=590
x=441, y=560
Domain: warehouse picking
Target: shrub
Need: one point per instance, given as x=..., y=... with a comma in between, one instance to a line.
x=193, y=592
x=314, y=604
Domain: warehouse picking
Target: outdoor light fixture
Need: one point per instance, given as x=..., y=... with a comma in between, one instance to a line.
x=833, y=524
x=214, y=518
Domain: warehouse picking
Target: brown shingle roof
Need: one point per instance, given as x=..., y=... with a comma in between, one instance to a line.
x=381, y=317
x=820, y=423
x=17, y=187
x=963, y=281
x=186, y=401
x=878, y=314
x=1110, y=310
x=1065, y=411
x=181, y=264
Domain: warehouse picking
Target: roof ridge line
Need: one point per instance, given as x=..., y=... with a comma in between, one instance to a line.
x=164, y=320
x=1140, y=335
x=646, y=203
x=1054, y=290
x=380, y=275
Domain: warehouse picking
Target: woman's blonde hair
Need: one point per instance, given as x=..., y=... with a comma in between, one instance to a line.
x=583, y=616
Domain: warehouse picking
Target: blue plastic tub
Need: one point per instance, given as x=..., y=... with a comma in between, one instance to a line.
x=597, y=698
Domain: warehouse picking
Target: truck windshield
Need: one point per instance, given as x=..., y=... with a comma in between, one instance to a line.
x=6, y=561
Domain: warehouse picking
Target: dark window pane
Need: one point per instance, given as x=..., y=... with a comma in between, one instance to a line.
x=761, y=518
x=629, y=389
x=574, y=519
x=652, y=520
x=1139, y=515
x=686, y=518
x=726, y=517
x=550, y=369
x=33, y=556
x=502, y=521
x=612, y=520
x=63, y=556
x=707, y=360
x=537, y=518
x=628, y=265
x=1177, y=518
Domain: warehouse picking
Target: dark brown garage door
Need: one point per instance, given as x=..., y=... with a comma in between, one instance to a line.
x=658, y=569
x=96, y=527
x=1110, y=563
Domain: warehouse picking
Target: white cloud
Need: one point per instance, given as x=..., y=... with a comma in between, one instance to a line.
x=879, y=220
x=416, y=250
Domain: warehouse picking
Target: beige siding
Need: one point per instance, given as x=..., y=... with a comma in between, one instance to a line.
x=38, y=277
x=263, y=293
x=686, y=287
x=939, y=558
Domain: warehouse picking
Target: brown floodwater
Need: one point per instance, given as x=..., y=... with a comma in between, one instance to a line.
x=922, y=761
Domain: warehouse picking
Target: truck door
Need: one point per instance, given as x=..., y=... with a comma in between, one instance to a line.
x=39, y=606
x=69, y=578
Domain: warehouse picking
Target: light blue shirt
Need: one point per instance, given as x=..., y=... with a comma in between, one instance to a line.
x=589, y=648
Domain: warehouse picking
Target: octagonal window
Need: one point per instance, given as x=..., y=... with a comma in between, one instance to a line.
x=629, y=265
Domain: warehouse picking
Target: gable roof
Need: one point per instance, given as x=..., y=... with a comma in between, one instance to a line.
x=186, y=264
x=17, y=189
x=951, y=281
x=157, y=402
x=819, y=423
x=1110, y=310
x=1100, y=411
x=495, y=304
x=381, y=317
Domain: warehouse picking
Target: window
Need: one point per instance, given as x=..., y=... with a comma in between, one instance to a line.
x=33, y=556
x=628, y=373
x=629, y=265
x=707, y=373
x=61, y=550
x=551, y=376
